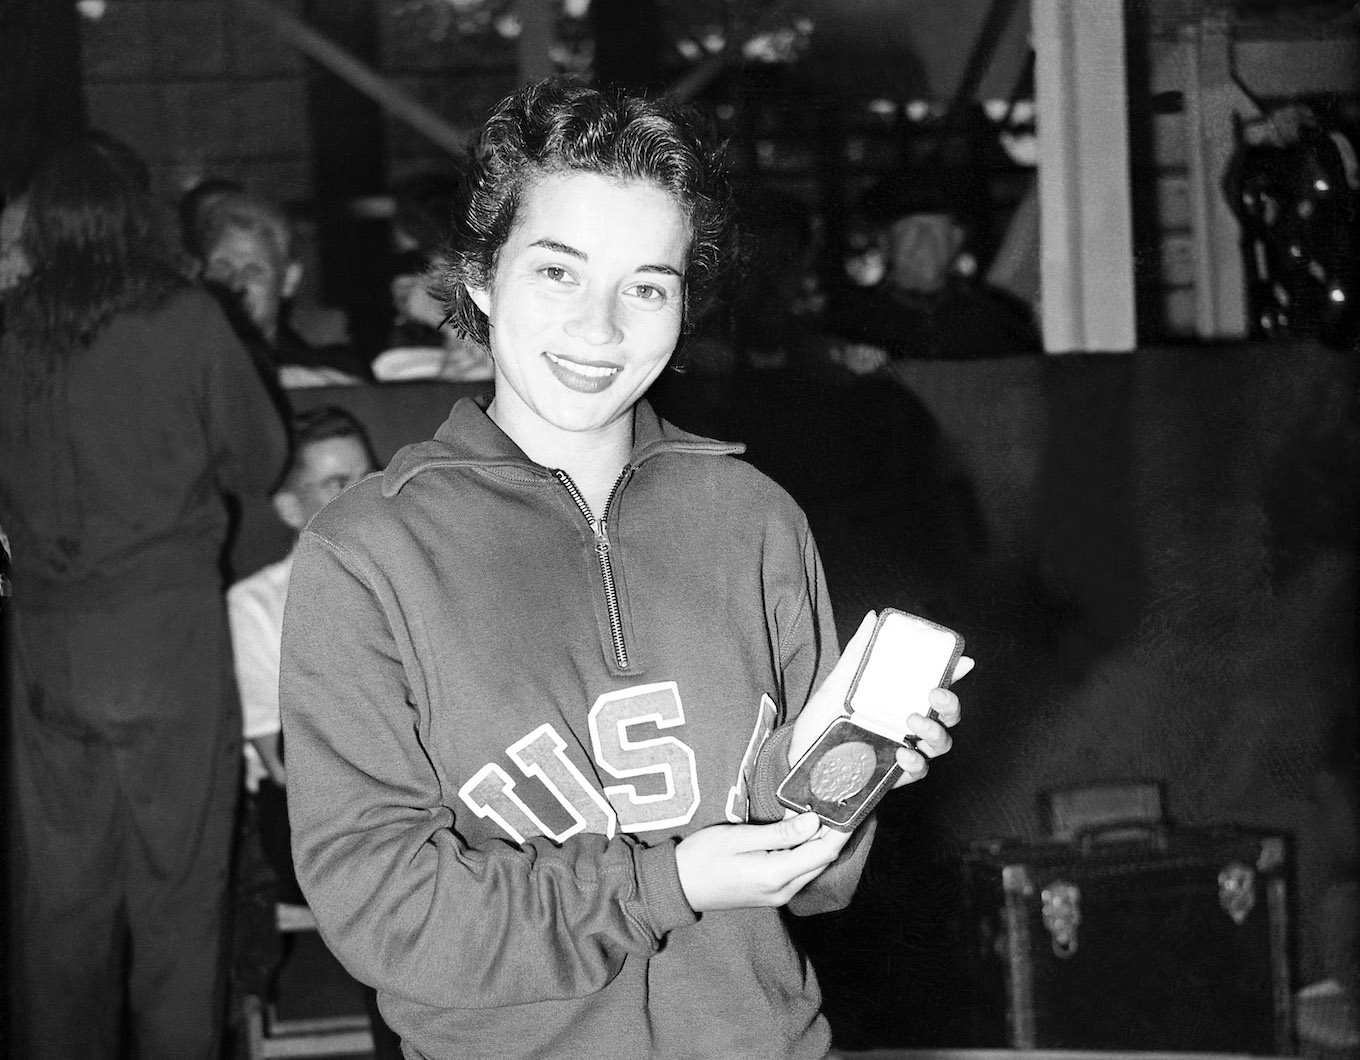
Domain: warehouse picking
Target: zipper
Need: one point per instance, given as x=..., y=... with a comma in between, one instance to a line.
x=600, y=527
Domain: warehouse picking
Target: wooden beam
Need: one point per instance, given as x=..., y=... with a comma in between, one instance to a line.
x=358, y=74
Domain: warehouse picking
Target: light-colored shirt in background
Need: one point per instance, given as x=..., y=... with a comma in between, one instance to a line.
x=255, y=610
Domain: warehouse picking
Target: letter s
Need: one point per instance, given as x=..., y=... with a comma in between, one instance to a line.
x=613, y=714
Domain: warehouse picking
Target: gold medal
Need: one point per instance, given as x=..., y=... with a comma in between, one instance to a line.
x=842, y=771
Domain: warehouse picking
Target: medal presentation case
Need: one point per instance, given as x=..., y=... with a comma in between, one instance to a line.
x=853, y=763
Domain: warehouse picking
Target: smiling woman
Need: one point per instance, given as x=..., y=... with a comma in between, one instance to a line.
x=541, y=679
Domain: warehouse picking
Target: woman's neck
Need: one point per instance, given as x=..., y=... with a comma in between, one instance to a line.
x=593, y=459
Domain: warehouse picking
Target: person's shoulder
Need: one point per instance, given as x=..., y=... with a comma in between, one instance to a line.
x=737, y=471
x=359, y=520
x=196, y=321
x=765, y=493
x=713, y=464
x=742, y=491
x=189, y=302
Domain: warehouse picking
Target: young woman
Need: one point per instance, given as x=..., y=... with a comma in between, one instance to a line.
x=542, y=676
x=127, y=407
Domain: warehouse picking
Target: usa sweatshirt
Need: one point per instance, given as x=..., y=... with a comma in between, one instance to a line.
x=502, y=712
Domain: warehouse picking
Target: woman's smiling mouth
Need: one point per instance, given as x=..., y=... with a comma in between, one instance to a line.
x=581, y=377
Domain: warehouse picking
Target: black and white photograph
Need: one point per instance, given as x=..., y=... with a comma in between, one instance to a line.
x=679, y=529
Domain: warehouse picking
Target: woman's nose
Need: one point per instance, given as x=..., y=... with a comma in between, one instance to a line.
x=595, y=319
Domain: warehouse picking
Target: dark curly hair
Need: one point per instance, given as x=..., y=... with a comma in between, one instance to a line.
x=562, y=125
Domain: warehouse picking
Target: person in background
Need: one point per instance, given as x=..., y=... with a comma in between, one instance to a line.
x=420, y=345
x=193, y=209
x=541, y=678
x=913, y=290
x=331, y=451
x=128, y=407
x=422, y=207
x=248, y=249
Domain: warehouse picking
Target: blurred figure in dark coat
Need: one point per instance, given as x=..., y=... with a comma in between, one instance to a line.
x=128, y=408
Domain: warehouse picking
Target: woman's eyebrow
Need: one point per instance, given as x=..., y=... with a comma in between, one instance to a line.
x=665, y=270
x=563, y=248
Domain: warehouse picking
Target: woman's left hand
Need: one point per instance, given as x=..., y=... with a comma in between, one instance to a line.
x=828, y=703
x=934, y=736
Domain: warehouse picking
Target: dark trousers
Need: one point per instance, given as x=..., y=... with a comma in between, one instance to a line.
x=276, y=838
x=124, y=752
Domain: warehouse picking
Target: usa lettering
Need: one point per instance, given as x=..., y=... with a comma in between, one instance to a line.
x=657, y=777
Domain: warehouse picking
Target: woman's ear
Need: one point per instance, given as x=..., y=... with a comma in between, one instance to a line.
x=481, y=298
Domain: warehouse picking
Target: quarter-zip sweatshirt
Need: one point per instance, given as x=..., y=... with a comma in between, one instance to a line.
x=503, y=711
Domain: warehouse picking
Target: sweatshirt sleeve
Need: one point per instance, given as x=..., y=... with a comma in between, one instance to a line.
x=401, y=898
x=809, y=651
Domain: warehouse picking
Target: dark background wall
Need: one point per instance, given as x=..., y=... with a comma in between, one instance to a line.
x=1153, y=557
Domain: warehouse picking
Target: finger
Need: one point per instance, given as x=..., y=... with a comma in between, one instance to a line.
x=945, y=706
x=784, y=866
x=839, y=679
x=832, y=840
x=962, y=668
x=791, y=832
x=913, y=764
x=932, y=738
x=862, y=635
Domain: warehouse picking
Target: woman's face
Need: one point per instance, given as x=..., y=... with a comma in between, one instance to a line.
x=585, y=303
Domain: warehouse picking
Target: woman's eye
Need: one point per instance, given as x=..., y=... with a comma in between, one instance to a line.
x=649, y=292
x=554, y=272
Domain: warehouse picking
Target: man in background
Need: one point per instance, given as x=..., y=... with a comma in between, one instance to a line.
x=248, y=248
x=913, y=289
x=331, y=451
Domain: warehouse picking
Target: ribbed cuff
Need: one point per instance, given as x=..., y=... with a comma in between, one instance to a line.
x=772, y=766
x=663, y=899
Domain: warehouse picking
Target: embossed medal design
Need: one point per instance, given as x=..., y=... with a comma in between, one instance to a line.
x=842, y=771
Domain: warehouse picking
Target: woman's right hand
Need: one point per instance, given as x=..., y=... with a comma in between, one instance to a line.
x=739, y=866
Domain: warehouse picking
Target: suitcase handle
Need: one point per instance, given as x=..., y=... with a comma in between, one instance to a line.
x=1149, y=833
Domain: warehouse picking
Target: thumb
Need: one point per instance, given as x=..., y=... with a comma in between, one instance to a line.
x=838, y=681
x=828, y=702
x=790, y=832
